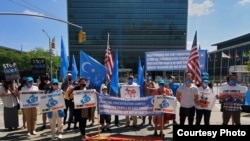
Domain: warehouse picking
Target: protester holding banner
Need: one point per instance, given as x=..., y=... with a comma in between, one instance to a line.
x=173, y=86
x=55, y=116
x=104, y=117
x=186, y=96
x=68, y=82
x=9, y=96
x=206, y=101
x=31, y=112
x=148, y=92
x=70, y=104
x=45, y=86
x=160, y=121
x=134, y=118
x=231, y=97
x=23, y=83
x=81, y=114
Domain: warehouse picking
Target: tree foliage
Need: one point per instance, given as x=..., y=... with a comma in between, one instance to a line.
x=23, y=59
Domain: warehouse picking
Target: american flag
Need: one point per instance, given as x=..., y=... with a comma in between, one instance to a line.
x=193, y=64
x=109, y=63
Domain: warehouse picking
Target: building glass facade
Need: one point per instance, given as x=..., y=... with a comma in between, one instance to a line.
x=135, y=27
x=238, y=49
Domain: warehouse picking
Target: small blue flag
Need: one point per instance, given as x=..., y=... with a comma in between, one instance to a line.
x=64, y=63
x=114, y=86
x=140, y=77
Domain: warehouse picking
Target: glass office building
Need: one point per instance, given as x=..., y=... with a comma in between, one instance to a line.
x=135, y=27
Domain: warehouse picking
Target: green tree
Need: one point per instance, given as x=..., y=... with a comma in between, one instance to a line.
x=23, y=59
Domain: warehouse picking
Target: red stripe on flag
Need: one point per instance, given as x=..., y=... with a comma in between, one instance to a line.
x=109, y=63
x=193, y=64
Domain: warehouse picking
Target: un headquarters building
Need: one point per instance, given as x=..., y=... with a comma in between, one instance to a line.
x=135, y=27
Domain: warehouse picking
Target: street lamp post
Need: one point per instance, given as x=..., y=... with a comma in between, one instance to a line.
x=50, y=52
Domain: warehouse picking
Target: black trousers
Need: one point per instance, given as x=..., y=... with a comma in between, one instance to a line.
x=187, y=112
x=203, y=113
x=82, y=125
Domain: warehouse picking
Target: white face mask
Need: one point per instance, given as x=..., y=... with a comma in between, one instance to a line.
x=204, y=84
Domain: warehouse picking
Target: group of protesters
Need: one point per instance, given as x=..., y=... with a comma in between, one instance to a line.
x=196, y=102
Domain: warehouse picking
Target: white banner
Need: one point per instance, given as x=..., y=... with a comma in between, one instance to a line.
x=165, y=104
x=206, y=101
x=84, y=98
x=52, y=102
x=30, y=99
x=130, y=91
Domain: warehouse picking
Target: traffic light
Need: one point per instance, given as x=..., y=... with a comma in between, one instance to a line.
x=53, y=44
x=81, y=37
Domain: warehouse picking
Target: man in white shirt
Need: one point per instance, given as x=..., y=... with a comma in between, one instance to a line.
x=187, y=94
x=134, y=118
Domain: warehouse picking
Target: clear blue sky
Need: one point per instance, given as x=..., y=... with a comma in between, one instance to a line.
x=214, y=20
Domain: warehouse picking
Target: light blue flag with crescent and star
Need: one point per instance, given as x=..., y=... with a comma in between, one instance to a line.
x=92, y=70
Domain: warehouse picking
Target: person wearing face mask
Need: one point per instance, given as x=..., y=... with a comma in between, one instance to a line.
x=173, y=86
x=186, y=96
x=159, y=122
x=231, y=97
x=65, y=85
x=81, y=115
x=206, y=101
x=134, y=118
x=30, y=113
x=149, y=84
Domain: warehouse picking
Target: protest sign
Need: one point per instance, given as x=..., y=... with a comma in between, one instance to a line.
x=165, y=104
x=52, y=102
x=84, y=98
x=11, y=72
x=130, y=91
x=30, y=99
x=123, y=106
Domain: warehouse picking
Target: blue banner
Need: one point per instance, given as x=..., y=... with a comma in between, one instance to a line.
x=129, y=107
x=171, y=60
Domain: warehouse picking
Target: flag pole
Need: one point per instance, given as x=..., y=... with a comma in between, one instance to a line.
x=214, y=68
x=220, y=69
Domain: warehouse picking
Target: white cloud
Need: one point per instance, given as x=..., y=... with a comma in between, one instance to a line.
x=32, y=12
x=199, y=9
x=244, y=2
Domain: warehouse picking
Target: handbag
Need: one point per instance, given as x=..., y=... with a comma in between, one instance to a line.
x=17, y=100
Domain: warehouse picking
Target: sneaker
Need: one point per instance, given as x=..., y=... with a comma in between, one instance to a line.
x=143, y=123
x=60, y=136
x=108, y=129
x=53, y=137
x=103, y=130
x=68, y=128
x=117, y=125
x=28, y=134
x=34, y=133
x=43, y=127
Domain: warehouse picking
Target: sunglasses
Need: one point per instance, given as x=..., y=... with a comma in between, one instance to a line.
x=55, y=84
